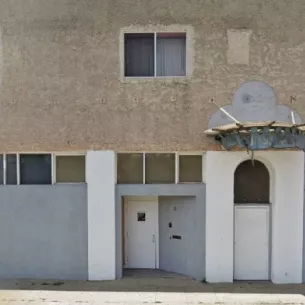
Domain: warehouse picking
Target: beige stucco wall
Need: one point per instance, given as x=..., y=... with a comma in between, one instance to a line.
x=60, y=72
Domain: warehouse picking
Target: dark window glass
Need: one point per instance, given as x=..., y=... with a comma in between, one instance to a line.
x=251, y=183
x=139, y=55
x=35, y=169
x=1, y=169
x=141, y=216
x=130, y=168
x=160, y=168
x=11, y=169
x=190, y=168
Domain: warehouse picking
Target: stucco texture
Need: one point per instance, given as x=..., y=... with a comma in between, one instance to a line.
x=60, y=71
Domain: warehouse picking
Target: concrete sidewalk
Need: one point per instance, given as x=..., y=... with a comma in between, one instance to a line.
x=179, y=290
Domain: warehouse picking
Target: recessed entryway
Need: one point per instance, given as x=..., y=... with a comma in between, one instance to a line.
x=141, y=232
x=180, y=223
x=251, y=221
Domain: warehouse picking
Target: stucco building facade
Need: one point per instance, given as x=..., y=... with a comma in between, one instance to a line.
x=105, y=162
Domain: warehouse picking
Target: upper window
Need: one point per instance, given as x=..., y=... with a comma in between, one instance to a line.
x=190, y=168
x=70, y=169
x=35, y=169
x=159, y=168
x=130, y=168
x=155, y=54
x=11, y=169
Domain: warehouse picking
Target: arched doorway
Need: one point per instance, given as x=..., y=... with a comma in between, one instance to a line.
x=251, y=221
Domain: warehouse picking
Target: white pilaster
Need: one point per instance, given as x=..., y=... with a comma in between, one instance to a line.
x=219, y=172
x=101, y=180
x=287, y=217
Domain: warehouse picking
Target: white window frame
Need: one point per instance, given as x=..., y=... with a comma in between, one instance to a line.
x=18, y=168
x=4, y=169
x=65, y=154
x=177, y=155
x=155, y=33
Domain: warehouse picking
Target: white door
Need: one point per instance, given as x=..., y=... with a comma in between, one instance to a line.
x=141, y=234
x=251, y=245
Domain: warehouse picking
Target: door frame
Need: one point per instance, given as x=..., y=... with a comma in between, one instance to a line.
x=126, y=200
x=249, y=205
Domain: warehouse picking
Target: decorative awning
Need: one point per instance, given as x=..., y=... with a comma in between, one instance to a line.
x=260, y=135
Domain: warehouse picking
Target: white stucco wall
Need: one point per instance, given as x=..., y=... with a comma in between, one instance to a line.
x=219, y=168
x=287, y=180
x=101, y=180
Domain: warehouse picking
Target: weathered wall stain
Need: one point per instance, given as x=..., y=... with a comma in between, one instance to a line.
x=62, y=87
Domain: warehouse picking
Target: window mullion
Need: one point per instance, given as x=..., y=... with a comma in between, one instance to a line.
x=18, y=168
x=177, y=168
x=144, y=168
x=155, y=54
x=53, y=169
x=4, y=169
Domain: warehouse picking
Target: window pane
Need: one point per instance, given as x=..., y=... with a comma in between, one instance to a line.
x=11, y=169
x=160, y=168
x=35, y=169
x=190, y=168
x=251, y=183
x=141, y=216
x=171, y=55
x=130, y=168
x=70, y=169
x=139, y=54
x=1, y=169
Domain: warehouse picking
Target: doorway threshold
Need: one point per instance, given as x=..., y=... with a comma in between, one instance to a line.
x=152, y=273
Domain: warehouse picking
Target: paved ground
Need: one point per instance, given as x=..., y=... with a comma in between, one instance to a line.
x=140, y=289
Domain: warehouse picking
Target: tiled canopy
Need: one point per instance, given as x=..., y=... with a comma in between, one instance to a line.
x=260, y=135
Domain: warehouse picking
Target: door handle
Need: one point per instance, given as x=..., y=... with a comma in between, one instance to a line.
x=154, y=238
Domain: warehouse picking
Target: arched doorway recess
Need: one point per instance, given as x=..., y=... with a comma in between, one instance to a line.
x=251, y=221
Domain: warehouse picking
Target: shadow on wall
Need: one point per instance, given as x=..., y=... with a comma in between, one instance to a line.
x=254, y=101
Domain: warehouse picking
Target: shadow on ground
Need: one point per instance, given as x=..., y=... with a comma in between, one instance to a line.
x=148, y=281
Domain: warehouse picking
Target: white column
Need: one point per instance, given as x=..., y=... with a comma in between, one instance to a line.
x=287, y=216
x=101, y=180
x=219, y=171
